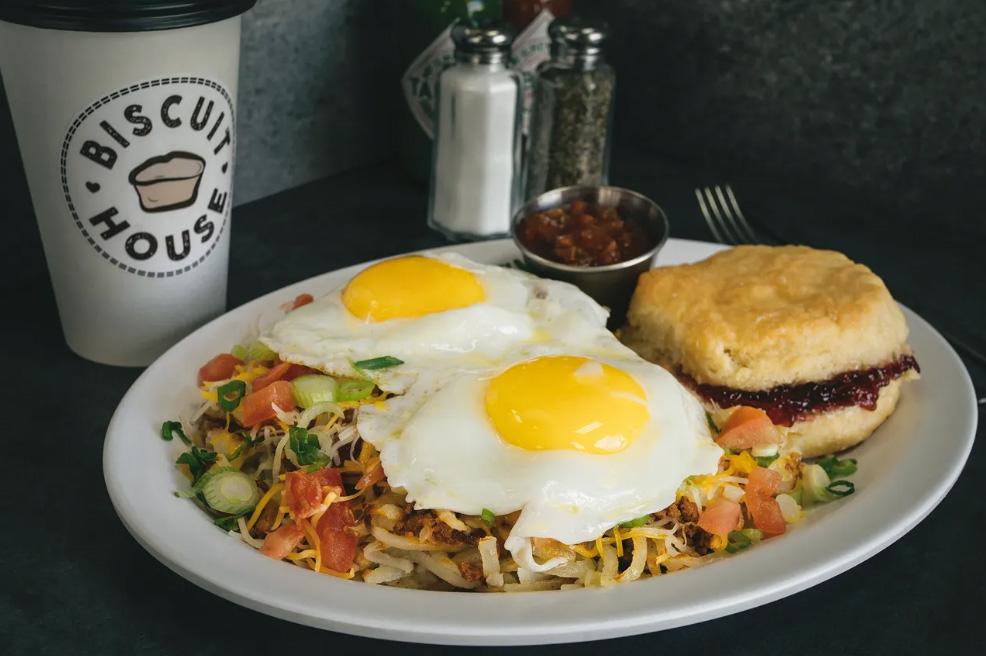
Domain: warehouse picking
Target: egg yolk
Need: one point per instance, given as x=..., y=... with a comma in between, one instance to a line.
x=567, y=402
x=410, y=287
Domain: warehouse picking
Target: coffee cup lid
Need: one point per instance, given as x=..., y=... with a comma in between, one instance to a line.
x=120, y=15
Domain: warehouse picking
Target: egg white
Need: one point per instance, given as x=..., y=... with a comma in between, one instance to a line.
x=437, y=443
x=523, y=315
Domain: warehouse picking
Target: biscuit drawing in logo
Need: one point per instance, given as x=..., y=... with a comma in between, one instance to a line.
x=168, y=182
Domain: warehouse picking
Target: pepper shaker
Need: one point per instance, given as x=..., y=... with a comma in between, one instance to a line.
x=573, y=110
x=476, y=176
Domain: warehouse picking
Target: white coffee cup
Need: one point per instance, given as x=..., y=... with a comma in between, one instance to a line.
x=126, y=127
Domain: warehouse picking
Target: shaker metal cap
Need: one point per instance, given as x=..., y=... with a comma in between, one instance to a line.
x=485, y=37
x=577, y=35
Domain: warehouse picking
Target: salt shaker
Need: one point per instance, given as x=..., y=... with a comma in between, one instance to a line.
x=573, y=110
x=476, y=169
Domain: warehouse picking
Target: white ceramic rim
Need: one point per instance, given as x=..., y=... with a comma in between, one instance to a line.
x=906, y=469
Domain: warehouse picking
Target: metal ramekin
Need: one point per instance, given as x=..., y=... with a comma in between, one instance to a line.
x=611, y=285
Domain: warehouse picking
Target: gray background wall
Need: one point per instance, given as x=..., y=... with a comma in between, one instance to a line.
x=318, y=85
x=882, y=102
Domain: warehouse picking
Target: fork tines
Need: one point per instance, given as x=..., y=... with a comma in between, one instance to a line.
x=724, y=217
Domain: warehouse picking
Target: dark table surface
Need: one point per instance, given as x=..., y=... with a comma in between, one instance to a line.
x=74, y=581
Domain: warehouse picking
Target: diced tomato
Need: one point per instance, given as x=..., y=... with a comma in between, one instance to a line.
x=371, y=477
x=221, y=367
x=274, y=374
x=335, y=527
x=336, y=536
x=764, y=510
x=329, y=476
x=281, y=542
x=721, y=517
x=257, y=405
x=302, y=299
x=763, y=482
x=296, y=370
x=302, y=493
x=281, y=371
x=766, y=514
x=747, y=428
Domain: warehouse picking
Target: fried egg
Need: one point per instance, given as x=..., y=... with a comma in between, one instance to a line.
x=577, y=443
x=439, y=314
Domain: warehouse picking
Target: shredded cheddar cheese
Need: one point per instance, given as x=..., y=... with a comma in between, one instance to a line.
x=584, y=552
x=366, y=453
x=281, y=512
x=352, y=467
x=249, y=374
x=341, y=575
x=313, y=540
x=264, y=500
x=742, y=463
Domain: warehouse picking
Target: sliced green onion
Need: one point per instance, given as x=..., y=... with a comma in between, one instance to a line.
x=311, y=414
x=634, y=523
x=796, y=494
x=754, y=534
x=171, y=428
x=255, y=351
x=764, y=461
x=312, y=389
x=198, y=461
x=837, y=468
x=247, y=443
x=841, y=488
x=229, y=490
x=305, y=447
x=488, y=516
x=230, y=394
x=260, y=352
x=764, y=451
x=383, y=362
x=229, y=522
x=814, y=481
x=712, y=424
x=737, y=541
x=354, y=389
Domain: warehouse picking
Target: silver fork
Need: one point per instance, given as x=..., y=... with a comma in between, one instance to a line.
x=728, y=225
x=724, y=217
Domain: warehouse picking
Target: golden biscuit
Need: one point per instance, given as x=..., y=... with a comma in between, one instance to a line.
x=761, y=319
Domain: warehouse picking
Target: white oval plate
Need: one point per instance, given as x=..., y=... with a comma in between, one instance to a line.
x=904, y=471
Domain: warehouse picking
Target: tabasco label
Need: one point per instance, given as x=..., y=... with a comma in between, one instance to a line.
x=529, y=50
x=146, y=171
x=420, y=80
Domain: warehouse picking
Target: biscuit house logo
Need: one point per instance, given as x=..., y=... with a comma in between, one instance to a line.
x=169, y=182
x=147, y=171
